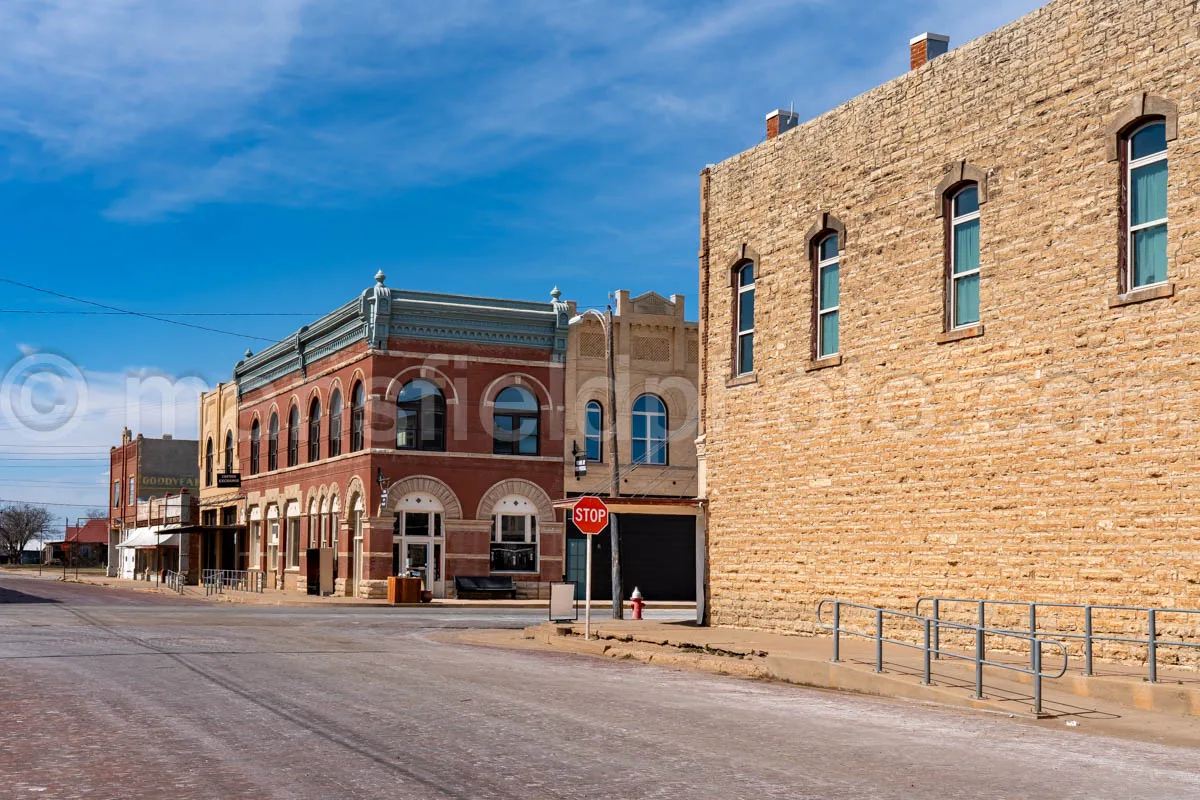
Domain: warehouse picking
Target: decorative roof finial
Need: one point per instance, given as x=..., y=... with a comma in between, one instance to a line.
x=379, y=276
x=555, y=293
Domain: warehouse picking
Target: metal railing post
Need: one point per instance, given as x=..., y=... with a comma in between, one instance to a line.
x=1032, y=632
x=879, y=640
x=1152, y=655
x=1037, y=676
x=928, y=671
x=982, y=614
x=837, y=630
x=1087, y=640
x=979, y=655
x=937, y=629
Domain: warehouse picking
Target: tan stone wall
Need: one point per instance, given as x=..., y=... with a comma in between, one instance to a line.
x=218, y=414
x=1054, y=457
x=657, y=351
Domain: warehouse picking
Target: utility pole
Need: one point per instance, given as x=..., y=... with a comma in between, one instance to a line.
x=614, y=489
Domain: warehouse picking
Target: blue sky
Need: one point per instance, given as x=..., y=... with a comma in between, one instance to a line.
x=268, y=156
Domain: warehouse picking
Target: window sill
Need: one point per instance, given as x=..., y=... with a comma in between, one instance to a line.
x=742, y=380
x=958, y=334
x=824, y=363
x=1142, y=295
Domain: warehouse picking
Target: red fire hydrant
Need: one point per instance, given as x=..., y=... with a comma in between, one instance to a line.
x=637, y=602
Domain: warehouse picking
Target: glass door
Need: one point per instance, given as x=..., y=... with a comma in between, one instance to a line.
x=423, y=550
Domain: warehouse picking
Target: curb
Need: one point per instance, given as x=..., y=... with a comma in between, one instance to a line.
x=823, y=674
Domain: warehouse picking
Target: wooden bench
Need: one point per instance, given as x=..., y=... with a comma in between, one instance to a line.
x=484, y=588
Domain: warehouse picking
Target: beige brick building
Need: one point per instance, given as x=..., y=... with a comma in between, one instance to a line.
x=219, y=541
x=657, y=356
x=1027, y=433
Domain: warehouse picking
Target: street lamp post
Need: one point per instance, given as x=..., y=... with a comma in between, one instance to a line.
x=614, y=487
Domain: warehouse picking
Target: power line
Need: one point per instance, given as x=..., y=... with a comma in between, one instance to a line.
x=134, y=313
x=51, y=459
x=74, y=312
x=41, y=503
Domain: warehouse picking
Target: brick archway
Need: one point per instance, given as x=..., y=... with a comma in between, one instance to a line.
x=528, y=489
x=429, y=485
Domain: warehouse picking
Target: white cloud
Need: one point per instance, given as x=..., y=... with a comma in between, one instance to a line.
x=177, y=103
x=57, y=424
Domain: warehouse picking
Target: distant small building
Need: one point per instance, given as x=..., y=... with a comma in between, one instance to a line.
x=87, y=544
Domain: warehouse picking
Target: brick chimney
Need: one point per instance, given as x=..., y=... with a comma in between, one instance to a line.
x=780, y=121
x=925, y=48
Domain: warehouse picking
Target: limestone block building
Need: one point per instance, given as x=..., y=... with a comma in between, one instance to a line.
x=951, y=329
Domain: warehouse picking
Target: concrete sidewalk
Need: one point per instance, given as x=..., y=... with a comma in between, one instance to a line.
x=275, y=597
x=1117, y=700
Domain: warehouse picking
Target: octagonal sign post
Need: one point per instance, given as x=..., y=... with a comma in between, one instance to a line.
x=590, y=516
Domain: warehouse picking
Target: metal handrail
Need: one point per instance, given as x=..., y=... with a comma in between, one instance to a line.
x=217, y=580
x=930, y=648
x=175, y=581
x=1089, y=636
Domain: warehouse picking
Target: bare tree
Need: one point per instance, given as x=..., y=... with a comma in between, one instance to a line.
x=19, y=525
x=96, y=513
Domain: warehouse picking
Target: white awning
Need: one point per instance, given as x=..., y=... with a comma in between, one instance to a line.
x=141, y=537
x=162, y=541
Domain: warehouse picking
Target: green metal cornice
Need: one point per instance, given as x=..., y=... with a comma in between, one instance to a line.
x=381, y=313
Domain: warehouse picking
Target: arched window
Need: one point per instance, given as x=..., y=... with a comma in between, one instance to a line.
x=335, y=423
x=649, y=443
x=314, y=430
x=826, y=267
x=420, y=417
x=593, y=429
x=962, y=293
x=293, y=440
x=273, y=443
x=745, y=319
x=1145, y=176
x=255, y=445
x=208, y=462
x=229, y=451
x=358, y=410
x=515, y=422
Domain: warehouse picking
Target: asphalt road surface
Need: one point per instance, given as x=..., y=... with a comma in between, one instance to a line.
x=110, y=694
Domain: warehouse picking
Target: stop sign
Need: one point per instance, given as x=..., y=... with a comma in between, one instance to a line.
x=590, y=515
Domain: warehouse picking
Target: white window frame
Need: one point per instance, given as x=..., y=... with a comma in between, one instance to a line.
x=821, y=312
x=648, y=439
x=955, y=276
x=598, y=436
x=742, y=289
x=1130, y=228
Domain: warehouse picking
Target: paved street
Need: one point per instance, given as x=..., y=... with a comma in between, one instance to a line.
x=109, y=693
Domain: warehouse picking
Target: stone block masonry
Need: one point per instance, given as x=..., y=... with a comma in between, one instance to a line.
x=1052, y=453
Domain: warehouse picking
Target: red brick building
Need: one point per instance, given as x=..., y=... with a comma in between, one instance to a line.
x=408, y=433
x=142, y=470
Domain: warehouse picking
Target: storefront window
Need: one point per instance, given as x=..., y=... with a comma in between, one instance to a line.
x=514, y=543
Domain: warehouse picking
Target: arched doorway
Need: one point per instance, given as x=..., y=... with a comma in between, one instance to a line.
x=419, y=541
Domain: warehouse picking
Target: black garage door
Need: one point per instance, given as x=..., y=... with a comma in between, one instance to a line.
x=658, y=556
